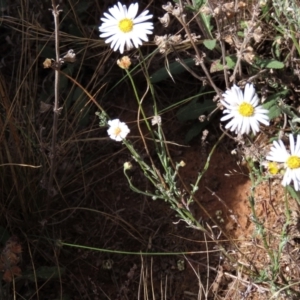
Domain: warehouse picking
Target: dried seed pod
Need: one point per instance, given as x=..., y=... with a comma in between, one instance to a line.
x=165, y=20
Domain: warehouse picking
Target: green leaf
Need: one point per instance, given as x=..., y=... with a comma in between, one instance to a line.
x=273, y=108
x=46, y=52
x=196, y=5
x=244, y=24
x=231, y=61
x=206, y=20
x=217, y=65
x=194, y=131
x=82, y=7
x=241, y=34
x=76, y=103
x=190, y=8
x=274, y=112
x=286, y=109
x=271, y=104
x=44, y=273
x=72, y=29
x=3, y=5
x=75, y=93
x=4, y=235
x=276, y=46
x=63, y=82
x=210, y=44
x=174, y=68
x=269, y=64
x=79, y=99
x=275, y=97
x=195, y=109
x=84, y=117
x=293, y=193
x=296, y=120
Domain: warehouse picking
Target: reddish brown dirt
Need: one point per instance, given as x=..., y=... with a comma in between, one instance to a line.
x=224, y=189
x=223, y=198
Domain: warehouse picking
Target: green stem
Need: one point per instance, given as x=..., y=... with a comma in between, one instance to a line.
x=295, y=42
x=126, y=252
x=147, y=76
x=205, y=168
x=138, y=100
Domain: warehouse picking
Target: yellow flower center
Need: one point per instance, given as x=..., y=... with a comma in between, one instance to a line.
x=273, y=168
x=126, y=25
x=246, y=109
x=117, y=131
x=293, y=162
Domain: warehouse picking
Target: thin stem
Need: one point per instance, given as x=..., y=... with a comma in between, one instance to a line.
x=55, y=12
x=205, y=31
x=141, y=110
x=147, y=76
x=294, y=39
x=247, y=38
x=139, y=101
x=223, y=54
x=200, y=57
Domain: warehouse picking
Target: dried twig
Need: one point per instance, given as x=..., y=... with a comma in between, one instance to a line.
x=56, y=109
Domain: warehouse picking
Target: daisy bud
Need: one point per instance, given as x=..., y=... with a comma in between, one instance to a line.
x=127, y=165
x=182, y=164
x=124, y=62
x=165, y=20
x=273, y=168
x=47, y=63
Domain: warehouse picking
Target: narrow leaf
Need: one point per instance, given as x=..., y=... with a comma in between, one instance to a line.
x=195, y=109
x=194, y=131
x=174, y=68
x=44, y=273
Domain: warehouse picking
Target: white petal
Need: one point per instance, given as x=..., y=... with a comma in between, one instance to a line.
x=254, y=126
x=278, y=152
x=297, y=174
x=297, y=148
x=292, y=143
x=249, y=92
x=286, y=178
x=296, y=185
x=132, y=10
x=225, y=118
x=254, y=100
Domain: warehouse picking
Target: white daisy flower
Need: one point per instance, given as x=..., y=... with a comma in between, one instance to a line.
x=244, y=110
x=278, y=153
x=122, y=27
x=117, y=130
